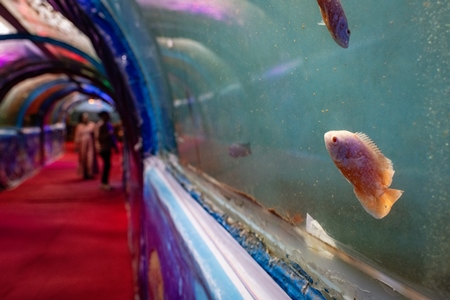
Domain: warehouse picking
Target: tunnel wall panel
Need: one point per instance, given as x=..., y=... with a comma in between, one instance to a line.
x=197, y=258
x=24, y=151
x=54, y=138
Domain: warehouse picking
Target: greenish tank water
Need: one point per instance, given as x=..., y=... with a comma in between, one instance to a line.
x=267, y=73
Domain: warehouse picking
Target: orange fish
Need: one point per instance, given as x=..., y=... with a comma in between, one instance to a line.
x=366, y=168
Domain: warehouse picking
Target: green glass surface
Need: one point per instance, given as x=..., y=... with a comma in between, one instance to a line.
x=269, y=74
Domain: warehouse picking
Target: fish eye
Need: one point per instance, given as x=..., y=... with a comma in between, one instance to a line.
x=348, y=31
x=334, y=139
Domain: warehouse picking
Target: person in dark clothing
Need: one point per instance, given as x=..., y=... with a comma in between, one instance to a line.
x=105, y=142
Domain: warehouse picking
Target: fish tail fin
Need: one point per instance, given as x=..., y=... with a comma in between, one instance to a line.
x=378, y=207
x=391, y=196
x=386, y=200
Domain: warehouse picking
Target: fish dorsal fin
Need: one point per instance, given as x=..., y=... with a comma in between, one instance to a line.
x=368, y=142
x=385, y=164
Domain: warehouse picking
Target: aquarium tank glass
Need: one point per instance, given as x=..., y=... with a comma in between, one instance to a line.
x=256, y=84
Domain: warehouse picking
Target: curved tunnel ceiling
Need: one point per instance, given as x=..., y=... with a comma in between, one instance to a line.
x=44, y=61
x=40, y=19
x=28, y=102
x=37, y=39
x=73, y=101
x=21, y=70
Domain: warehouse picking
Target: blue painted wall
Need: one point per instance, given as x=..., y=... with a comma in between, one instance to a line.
x=24, y=151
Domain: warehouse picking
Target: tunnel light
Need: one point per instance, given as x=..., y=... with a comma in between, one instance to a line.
x=4, y=29
x=91, y=101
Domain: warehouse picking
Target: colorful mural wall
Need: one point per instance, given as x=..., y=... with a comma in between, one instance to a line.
x=23, y=151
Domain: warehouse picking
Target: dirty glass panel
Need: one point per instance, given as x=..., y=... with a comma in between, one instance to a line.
x=257, y=84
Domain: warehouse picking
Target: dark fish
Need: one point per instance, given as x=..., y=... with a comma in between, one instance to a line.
x=239, y=150
x=366, y=168
x=334, y=17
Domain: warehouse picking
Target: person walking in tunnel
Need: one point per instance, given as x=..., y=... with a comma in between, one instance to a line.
x=84, y=145
x=105, y=142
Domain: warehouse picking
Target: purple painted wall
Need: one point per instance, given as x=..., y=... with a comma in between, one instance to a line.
x=25, y=150
x=169, y=260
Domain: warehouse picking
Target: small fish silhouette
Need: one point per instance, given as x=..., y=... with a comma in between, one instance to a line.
x=239, y=150
x=333, y=16
x=366, y=168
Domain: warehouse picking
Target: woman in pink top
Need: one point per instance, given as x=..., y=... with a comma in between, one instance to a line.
x=84, y=145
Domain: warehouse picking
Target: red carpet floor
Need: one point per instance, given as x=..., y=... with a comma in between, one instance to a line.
x=62, y=237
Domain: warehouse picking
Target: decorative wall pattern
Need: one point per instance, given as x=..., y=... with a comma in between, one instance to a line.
x=24, y=151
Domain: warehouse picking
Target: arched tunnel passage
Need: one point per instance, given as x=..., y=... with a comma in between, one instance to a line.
x=48, y=82
x=29, y=92
x=38, y=94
